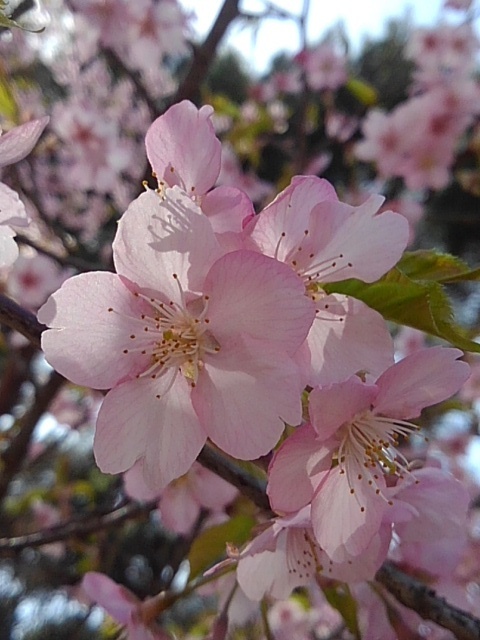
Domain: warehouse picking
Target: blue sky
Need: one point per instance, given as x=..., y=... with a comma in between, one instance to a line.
x=360, y=17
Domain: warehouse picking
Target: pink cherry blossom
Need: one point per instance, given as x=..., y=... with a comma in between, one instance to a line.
x=435, y=502
x=357, y=424
x=120, y=603
x=33, y=278
x=14, y=146
x=181, y=502
x=195, y=343
x=325, y=240
x=286, y=555
x=183, y=149
x=324, y=67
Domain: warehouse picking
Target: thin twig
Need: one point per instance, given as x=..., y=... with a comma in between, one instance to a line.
x=16, y=317
x=80, y=526
x=16, y=452
x=63, y=261
x=117, y=65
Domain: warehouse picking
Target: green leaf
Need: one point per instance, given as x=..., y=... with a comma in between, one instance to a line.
x=8, y=105
x=412, y=294
x=341, y=599
x=439, y=267
x=209, y=546
x=362, y=91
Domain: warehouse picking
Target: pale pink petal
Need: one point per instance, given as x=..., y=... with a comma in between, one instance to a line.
x=227, y=208
x=127, y=419
x=268, y=572
x=345, y=520
x=331, y=406
x=440, y=501
x=421, y=379
x=147, y=420
x=289, y=485
x=176, y=437
x=178, y=507
x=183, y=149
x=280, y=227
x=92, y=317
x=360, y=243
x=8, y=247
x=18, y=142
x=211, y=491
x=243, y=396
x=347, y=337
x=12, y=209
x=135, y=486
x=259, y=296
x=364, y=566
x=175, y=238
x=117, y=600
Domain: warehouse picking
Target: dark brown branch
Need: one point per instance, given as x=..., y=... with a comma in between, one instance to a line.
x=16, y=317
x=80, y=526
x=13, y=457
x=253, y=488
x=189, y=89
x=421, y=598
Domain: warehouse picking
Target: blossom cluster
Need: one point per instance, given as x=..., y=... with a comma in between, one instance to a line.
x=219, y=323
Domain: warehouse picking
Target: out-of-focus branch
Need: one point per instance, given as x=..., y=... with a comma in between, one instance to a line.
x=78, y=527
x=189, y=89
x=15, y=373
x=421, y=598
x=63, y=261
x=117, y=65
x=301, y=125
x=15, y=454
x=16, y=317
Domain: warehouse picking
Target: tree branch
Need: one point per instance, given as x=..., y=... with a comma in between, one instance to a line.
x=78, y=527
x=118, y=66
x=421, y=598
x=12, y=458
x=189, y=89
x=253, y=488
x=16, y=317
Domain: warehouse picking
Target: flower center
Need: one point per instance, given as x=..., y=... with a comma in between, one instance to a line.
x=175, y=336
x=368, y=445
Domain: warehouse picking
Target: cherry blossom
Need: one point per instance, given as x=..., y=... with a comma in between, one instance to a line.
x=183, y=150
x=358, y=425
x=434, y=501
x=14, y=146
x=324, y=240
x=181, y=502
x=324, y=67
x=286, y=555
x=123, y=606
x=195, y=343
x=33, y=278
